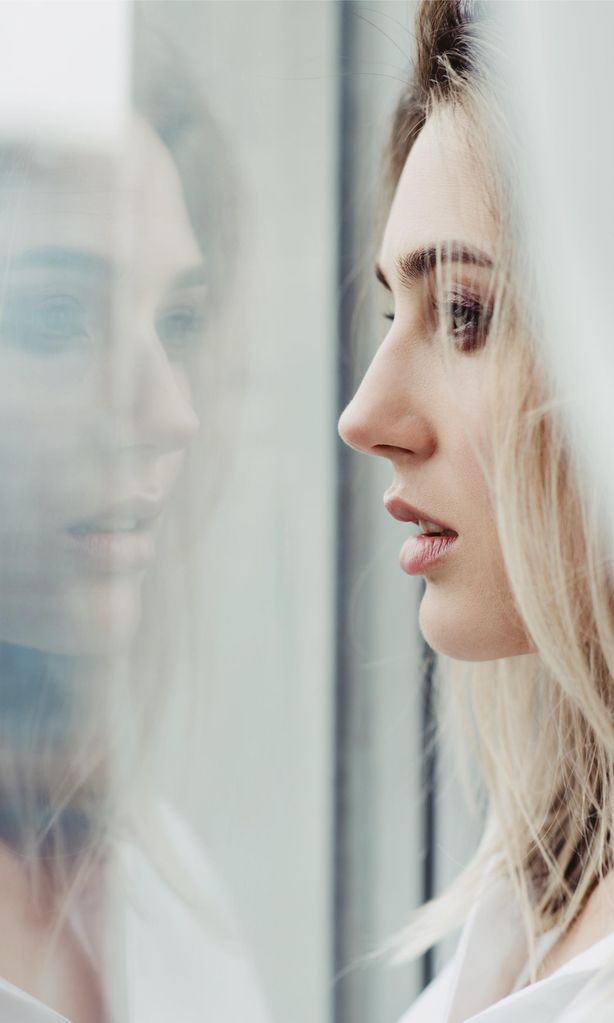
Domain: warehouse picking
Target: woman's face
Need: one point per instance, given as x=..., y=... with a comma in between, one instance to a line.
x=429, y=414
x=101, y=303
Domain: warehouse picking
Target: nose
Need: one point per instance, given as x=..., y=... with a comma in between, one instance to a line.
x=151, y=403
x=389, y=414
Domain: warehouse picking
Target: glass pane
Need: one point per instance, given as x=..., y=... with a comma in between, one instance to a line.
x=184, y=186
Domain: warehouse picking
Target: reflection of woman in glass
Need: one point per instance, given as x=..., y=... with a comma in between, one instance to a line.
x=108, y=286
x=457, y=400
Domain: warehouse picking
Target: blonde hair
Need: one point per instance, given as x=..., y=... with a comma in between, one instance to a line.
x=542, y=725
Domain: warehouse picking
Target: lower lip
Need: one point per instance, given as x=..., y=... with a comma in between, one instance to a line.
x=419, y=553
x=115, y=552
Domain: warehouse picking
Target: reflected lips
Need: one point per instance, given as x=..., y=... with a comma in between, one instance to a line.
x=115, y=551
x=120, y=540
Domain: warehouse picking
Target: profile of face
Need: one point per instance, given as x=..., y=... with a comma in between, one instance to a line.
x=101, y=306
x=429, y=411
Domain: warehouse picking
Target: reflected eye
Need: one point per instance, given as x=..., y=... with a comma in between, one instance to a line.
x=44, y=325
x=180, y=328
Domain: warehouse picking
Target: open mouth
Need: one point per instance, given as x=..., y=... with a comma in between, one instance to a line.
x=111, y=526
x=430, y=545
x=434, y=529
x=134, y=515
x=118, y=540
x=404, y=512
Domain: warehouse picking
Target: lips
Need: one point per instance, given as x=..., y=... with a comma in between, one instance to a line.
x=419, y=554
x=136, y=513
x=119, y=539
x=404, y=512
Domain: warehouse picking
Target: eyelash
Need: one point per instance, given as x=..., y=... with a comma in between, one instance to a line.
x=181, y=328
x=467, y=339
x=472, y=334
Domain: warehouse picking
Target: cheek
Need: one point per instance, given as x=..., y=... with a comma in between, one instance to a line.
x=44, y=432
x=468, y=610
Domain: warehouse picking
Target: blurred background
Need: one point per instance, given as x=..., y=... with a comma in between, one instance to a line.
x=317, y=799
x=317, y=792
x=321, y=798
x=315, y=788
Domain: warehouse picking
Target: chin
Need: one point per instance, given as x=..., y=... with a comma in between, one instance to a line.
x=471, y=629
x=99, y=618
x=108, y=623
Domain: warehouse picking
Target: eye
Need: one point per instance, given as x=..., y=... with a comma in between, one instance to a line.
x=389, y=316
x=44, y=325
x=467, y=322
x=180, y=328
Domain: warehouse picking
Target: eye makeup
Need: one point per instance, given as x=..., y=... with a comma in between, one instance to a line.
x=463, y=315
x=465, y=318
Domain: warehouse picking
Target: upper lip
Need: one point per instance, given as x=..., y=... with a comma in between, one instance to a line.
x=142, y=508
x=404, y=512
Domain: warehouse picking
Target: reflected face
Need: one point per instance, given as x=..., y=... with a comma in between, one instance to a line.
x=101, y=306
x=426, y=406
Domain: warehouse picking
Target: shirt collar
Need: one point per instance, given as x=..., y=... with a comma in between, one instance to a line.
x=491, y=955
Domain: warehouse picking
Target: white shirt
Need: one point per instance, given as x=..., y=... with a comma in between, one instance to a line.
x=485, y=980
x=171, y=965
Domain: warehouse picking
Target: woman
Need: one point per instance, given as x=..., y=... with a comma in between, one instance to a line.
x=518, y=595
x=108, y=911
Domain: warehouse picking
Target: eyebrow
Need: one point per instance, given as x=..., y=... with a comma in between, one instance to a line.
x=52, y=258
x=413, y=266
x=93, y=264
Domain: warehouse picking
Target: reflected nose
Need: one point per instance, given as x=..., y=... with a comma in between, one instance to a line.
x=152, y=404
x=388, y=415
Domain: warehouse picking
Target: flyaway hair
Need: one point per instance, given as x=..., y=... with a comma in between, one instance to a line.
x=540, y=726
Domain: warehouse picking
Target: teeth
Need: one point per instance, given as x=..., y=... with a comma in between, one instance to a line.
x=109, y=526
x=119, y=525
x=429, y=527
x=432, y=528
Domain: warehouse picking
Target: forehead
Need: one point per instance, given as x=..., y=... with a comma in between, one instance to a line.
x=442, y=193
x=91, y=202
